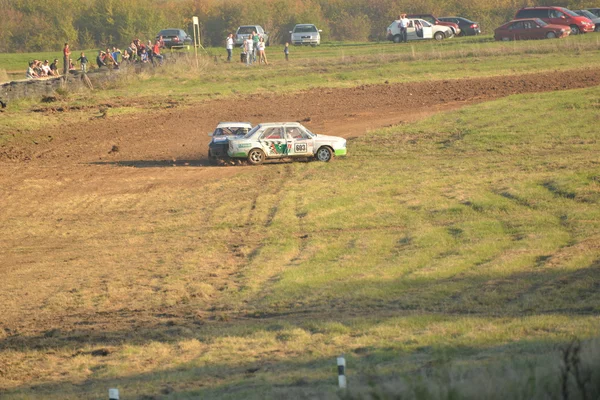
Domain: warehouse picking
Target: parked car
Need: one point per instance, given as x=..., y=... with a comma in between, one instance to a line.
x=279, y=140
x=531, y=28
x=557, y=16
x=243, y=31
x=592, y=17
x=219, y=144
x=595, y=11
x=434, y=21
x=467, y=27
x=413, y=32
x=305, y=34
x=175, y=38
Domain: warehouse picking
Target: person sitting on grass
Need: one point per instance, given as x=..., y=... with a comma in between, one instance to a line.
x=156, y=52
x=31, y=74
x=100, y=59
x=54, y=67
x=144, y=56
x=46, y=71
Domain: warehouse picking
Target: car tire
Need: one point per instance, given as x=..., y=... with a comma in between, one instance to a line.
x=439, y=36
x=256, y=156
x=550, y=35
x=575, y=30
x=324, y=154
x=397, y=38
x=505, y=39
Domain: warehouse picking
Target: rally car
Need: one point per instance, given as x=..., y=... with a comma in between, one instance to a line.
x=278, y=140
x=217, y=148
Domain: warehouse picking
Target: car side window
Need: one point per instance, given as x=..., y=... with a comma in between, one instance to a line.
x=272, y=133
x=429, y=19
x=426, y=24
x=295, y=133
x=410, y=24
x=517, y=25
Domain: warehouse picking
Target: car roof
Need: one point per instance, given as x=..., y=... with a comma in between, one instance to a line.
x=305, y=25
x=267, y=124
x=234, y=124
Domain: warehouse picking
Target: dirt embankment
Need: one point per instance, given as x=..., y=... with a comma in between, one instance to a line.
x=180, y=133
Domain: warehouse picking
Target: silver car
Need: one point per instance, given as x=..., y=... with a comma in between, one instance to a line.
x=244, y=31
x=306, y=34
x=277, y=140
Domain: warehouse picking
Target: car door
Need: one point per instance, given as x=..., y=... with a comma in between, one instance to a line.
x=410, y=31
x=516, y=30
x=427, y=30
x=300, y=143
x=273, y=142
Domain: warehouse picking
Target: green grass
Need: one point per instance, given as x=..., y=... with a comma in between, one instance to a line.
x=448, y=258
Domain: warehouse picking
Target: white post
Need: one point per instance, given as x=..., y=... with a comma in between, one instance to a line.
x=341, y=363
x=113, y=394
x=196, y=26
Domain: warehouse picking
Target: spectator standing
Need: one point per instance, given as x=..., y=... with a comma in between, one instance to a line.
x=403, y=25
x=229, y=46
x=248, y=46
x=286, y=51
x=66, y=55
x=262, y=57
x=255, y=40
x=83, y=62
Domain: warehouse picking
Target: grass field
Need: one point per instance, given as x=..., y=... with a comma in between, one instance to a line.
x=448, y=258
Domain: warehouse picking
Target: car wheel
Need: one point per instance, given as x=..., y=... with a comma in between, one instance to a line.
x=439, y=36
x=324, y=154
x=506, y=39
x=397, y=38
x=256, y=156
x=551, y=35
x=575, y=30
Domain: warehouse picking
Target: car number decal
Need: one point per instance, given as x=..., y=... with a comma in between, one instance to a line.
x=300, y=148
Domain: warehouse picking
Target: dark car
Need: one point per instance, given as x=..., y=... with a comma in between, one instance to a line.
x=433, y=20
x=532, y=28
x=175, y=38
x=558, y=16
x=592, y=17
x=595, y=11
x=467, y=27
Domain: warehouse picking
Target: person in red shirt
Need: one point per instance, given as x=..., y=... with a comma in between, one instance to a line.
x=156, y=51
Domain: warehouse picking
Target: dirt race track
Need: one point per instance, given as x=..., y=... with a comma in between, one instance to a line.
x=100, y=152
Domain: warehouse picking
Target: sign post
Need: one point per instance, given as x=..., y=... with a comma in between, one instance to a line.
x=196, y=38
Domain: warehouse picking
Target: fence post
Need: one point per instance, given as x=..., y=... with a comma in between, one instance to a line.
x=113, y=394
x=341, y=363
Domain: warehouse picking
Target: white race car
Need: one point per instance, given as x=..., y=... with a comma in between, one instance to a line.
x=278, y=140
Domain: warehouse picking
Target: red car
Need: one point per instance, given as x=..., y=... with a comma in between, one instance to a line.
x=558, y=16
x=433, y=20
x=532, y=28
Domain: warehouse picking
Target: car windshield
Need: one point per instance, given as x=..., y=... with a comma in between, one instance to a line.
x=229, y=131
x=305, y=28
x=540, y=22
x=586, y=13
x=252, y=131
x=569, y=12
x=169, y=32
x=246, y=30
x=309, y=132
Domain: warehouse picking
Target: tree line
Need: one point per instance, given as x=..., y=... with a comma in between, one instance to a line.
x=45, y=25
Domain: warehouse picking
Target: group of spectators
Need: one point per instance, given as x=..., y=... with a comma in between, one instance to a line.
x=135, y=52
x=39, y=69
x=253, y=49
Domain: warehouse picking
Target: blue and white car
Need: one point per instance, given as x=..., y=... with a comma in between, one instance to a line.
x=277, y=140
x=225, y=131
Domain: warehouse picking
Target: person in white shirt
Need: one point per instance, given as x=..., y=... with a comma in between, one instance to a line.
x=248, y=46
x=229, y=46
x=46, y=69
x=262, y=57
x=403, y=25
